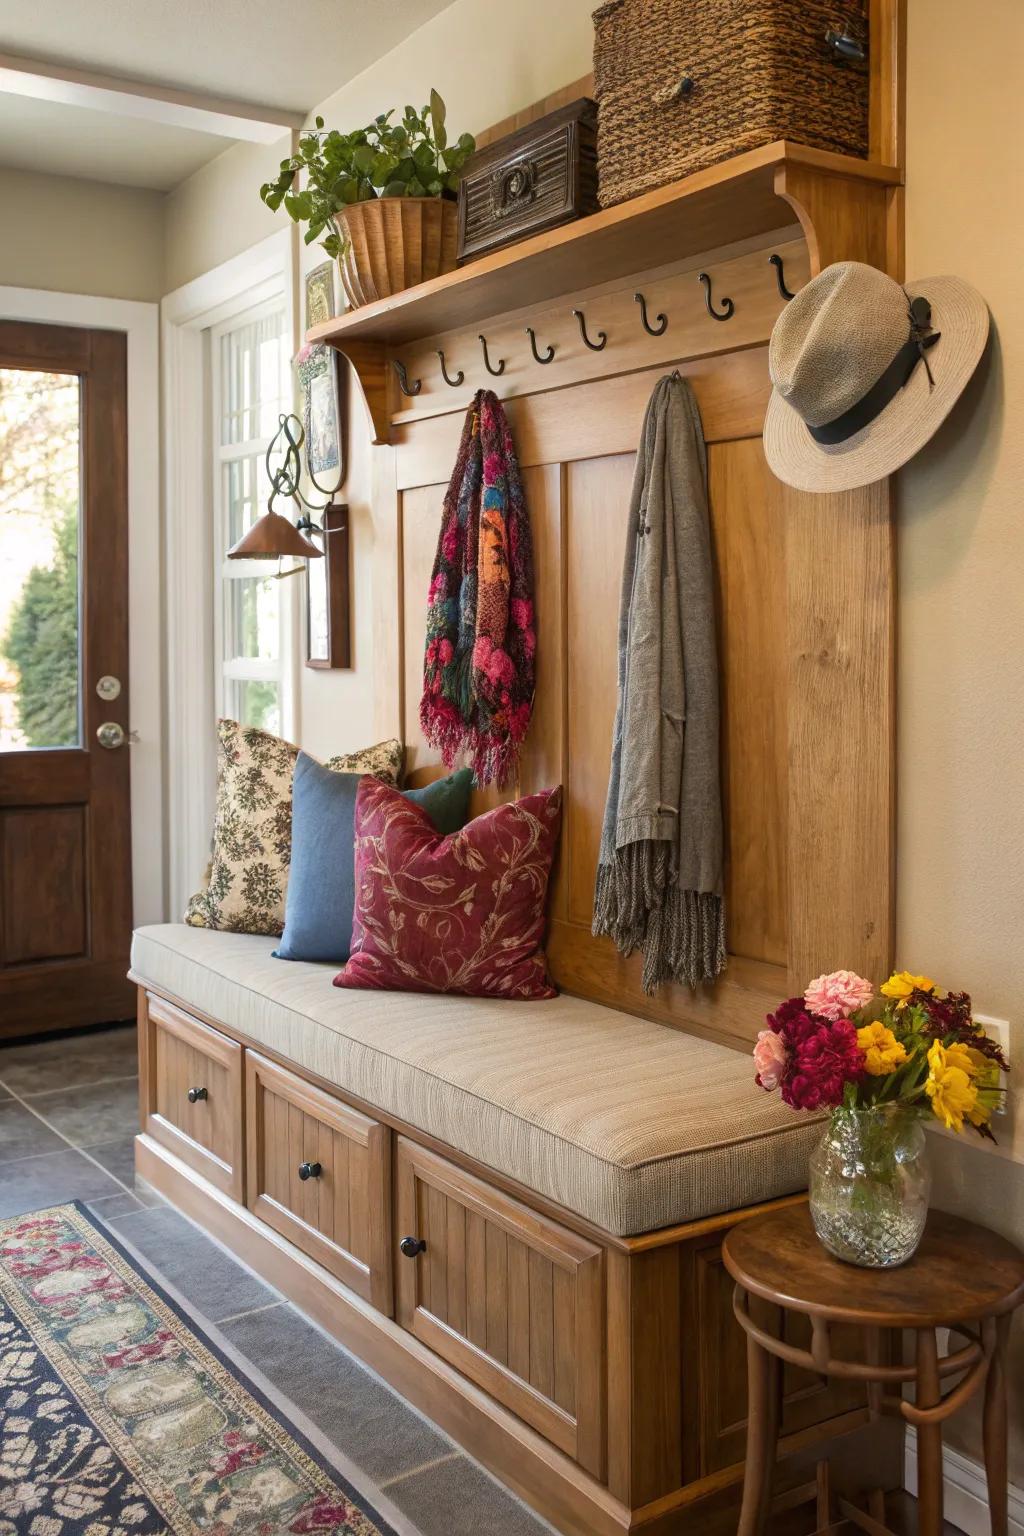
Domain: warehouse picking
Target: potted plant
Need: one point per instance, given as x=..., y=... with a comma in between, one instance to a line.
x=879, y=1067
x=383, y=198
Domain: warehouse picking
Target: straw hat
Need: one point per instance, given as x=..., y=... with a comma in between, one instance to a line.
x=864, y=371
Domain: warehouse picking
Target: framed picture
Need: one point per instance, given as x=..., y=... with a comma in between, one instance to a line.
x=328, y=640
x=320, y=294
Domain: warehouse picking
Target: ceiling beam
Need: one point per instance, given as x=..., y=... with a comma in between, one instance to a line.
x=135, y=98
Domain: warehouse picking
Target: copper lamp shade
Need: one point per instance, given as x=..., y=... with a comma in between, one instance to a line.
x=272, y=536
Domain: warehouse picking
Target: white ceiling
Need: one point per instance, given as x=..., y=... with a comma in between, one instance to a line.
x=286, y=55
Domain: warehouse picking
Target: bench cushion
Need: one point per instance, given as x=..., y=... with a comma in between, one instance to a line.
x=630, y=1124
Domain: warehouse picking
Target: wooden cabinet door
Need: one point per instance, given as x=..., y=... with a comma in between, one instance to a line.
x=512, y=1300
x=191, y=1093
x=722, y=1370
x=319, y=1173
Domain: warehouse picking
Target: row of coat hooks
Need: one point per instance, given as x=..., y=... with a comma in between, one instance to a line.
x=597, y=343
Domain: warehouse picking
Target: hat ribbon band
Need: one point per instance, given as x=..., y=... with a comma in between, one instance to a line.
x=885, y=388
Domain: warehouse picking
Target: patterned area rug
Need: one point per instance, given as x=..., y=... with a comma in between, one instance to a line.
x=117, y=1418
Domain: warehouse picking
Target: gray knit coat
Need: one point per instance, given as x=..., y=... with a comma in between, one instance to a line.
x=659, y=880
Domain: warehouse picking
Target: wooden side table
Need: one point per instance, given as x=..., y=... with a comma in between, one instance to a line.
x=963, y=1278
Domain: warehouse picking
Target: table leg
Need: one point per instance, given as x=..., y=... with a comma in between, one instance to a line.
x=929, y=1437
x=994, y=1423
x=764, y=1405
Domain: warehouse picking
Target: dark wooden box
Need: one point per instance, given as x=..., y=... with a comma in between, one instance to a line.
x=535, y=179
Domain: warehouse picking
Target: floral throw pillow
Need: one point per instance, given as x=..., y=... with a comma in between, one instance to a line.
x=245, y=885
x=463, y=913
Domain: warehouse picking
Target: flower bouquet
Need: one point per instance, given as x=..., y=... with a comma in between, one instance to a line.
x=879, y=1066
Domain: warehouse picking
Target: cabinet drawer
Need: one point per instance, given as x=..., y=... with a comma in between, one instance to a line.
x=192, y=1094
x=511, y=1299
x=320, y=1174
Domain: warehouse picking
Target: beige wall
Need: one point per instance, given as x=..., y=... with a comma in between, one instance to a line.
x=961, y=570
x=961, y=504
x=72, y=236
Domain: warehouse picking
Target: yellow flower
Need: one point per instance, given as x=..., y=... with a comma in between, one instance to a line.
x=883, y=1053
x=950, y=1085
x=902, y=983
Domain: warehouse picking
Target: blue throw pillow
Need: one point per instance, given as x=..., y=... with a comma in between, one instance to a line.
x=321, y=880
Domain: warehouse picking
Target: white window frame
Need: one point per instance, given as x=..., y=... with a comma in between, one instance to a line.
x=187, y=315
x=281, y=671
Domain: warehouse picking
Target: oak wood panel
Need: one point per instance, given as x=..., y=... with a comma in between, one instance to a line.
x=564, y=97
x=180, y=1053
x=745, y=276
x=840, y=606
x=749, y=530
x=341, y=1218
x=847, y=222
x=599, y=418
x=43, y=905
x=543, y=1355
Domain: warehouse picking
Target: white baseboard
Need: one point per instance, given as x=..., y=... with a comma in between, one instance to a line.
x=966, y=1496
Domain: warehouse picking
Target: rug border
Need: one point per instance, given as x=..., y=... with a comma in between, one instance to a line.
x=132, y=1259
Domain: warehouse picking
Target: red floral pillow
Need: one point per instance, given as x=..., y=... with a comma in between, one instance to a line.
x=463, y=913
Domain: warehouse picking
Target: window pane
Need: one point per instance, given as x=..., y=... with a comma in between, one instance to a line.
x=252, y=379
x=256, y=703
x=39, y=538
x=246, y=489
x=252, y=618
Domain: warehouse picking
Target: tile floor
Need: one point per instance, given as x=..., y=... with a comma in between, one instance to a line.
x=68, y=1113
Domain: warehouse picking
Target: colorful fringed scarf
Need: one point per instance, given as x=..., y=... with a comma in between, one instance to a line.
x=478, y=672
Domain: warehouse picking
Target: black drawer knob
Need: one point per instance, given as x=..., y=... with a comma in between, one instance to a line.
x=411, y=1246
x=309, y=1171
x=195, y=1094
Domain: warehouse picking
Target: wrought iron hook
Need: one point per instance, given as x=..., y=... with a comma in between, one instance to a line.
x=728, y=306
x=780, y=276
x=652, y=330
x=533, y=347
x=595, y=346
x=444, y=373
x=403, y=378
x=487, y=361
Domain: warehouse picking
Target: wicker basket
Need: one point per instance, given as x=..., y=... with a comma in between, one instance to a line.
x=682, y=84
x=395, y=243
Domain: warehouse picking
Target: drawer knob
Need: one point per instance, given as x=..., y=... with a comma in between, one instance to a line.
x=309, y=1171
x=195, y=1094
x=411, y=1246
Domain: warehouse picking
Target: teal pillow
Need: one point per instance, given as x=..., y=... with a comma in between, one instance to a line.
x=321, y=880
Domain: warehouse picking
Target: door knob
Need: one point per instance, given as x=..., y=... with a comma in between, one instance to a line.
x=411, y=1246
x=109, y=688
x=195, y=1094
x=309, y=1171
x=110, y=735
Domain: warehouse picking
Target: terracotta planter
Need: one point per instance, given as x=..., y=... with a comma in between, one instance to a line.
x=395, y=243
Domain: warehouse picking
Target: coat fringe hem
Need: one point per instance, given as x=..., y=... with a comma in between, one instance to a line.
x=681, y=933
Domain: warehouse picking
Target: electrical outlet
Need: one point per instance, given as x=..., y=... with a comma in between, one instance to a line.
x=999, y=1029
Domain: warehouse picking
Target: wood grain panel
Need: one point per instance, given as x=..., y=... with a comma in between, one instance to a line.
x=840, y=600
x=599, y=418
x=749, y=529
x=341, y=1216
x=180, y=1053
x=43, y=902
x=531, y=1295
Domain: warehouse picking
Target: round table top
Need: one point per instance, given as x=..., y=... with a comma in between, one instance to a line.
x=960, y=1272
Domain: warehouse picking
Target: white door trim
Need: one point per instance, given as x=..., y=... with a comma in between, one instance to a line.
x=139, y=322
x=185, y=315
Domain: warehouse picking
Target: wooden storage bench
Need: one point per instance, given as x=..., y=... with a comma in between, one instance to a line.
x=600, y=1374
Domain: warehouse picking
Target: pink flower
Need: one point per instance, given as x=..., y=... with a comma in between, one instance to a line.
x=449, y=544
x=445, y=652
x=438, y=587
x=770, y=1058
x=529, y=642
x=838, y=995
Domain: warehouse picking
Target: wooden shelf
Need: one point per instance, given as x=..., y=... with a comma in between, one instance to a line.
x=839, y=201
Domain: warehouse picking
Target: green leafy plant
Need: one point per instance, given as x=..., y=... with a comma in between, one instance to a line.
x=411, y=158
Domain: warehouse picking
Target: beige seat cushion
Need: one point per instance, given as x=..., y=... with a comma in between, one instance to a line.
x=630, y=1124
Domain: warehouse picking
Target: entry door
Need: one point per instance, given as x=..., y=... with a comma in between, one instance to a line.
x=65, y=831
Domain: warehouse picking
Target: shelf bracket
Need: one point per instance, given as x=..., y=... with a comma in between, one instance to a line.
x=369, y=361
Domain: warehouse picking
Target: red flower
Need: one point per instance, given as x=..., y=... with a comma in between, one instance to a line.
x=825, y=1058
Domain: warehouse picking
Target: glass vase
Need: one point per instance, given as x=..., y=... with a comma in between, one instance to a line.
x=869, y=1185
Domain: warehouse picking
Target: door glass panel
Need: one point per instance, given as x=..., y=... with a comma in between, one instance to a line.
x=40, y=490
